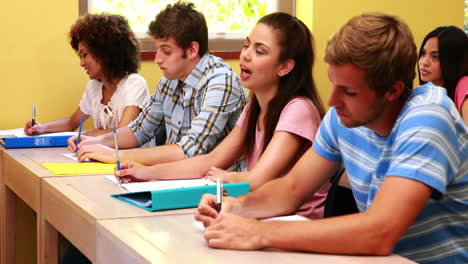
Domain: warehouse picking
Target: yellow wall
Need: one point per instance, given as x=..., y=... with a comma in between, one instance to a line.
x=37, y=64
x=422, y=16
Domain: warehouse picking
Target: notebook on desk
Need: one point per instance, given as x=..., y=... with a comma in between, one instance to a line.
x=16, y=138
x=82, y=168
x=172, y=194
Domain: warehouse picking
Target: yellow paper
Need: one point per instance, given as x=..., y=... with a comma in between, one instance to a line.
x=79, y=168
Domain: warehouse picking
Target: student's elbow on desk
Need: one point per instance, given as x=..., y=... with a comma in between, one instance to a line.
x=381, y=247
x=380, y=237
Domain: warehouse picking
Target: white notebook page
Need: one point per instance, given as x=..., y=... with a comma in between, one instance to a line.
x=160, y=185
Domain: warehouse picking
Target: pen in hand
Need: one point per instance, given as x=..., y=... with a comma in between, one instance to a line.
x=219, y=194
x=33, y=119
x=79, y=133
x=117, y=158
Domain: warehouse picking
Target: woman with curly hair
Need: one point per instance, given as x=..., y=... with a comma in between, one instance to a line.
x=115, y=93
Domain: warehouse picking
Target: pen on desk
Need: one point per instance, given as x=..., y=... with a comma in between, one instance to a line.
x=219, y=194
x=117, y=158
x=33, y=119
x=79, y=133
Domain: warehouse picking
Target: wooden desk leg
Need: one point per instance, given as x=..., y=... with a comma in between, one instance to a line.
x=8, y=228
x=47, y=241
x=2, y=204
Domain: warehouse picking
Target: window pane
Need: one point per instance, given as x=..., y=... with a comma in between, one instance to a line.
x=232, y=17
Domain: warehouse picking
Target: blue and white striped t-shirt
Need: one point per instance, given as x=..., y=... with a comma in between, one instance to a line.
x=428, y=143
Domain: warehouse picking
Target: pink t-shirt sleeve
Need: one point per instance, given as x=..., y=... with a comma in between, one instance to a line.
x=461, y=91
x=299, y=117
x=241, y=121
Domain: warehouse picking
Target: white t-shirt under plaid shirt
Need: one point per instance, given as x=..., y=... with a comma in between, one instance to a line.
x=197, y=113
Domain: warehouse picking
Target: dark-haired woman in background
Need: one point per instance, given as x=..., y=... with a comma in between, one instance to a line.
x=277, y=126
x=115, y=93
x=443, y=60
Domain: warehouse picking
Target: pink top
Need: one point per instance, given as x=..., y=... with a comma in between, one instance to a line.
x=461, y=91
x=299, y=117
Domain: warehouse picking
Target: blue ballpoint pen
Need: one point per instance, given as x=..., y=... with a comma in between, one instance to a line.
x=79, y=133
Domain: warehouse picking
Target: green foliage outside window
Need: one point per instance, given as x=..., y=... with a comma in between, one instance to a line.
x=466, y=16
x=233, y=16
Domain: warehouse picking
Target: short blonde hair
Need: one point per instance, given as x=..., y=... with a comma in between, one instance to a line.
x=380, y=44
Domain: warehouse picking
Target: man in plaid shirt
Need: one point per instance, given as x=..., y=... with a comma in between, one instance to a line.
x=196, y=104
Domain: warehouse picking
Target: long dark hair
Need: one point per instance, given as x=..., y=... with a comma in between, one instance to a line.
x=296, y=43
x=453, y=55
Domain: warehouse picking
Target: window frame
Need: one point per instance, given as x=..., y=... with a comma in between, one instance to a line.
x=226, y=48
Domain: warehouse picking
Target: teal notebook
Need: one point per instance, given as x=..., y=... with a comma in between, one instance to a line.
x=177, y=198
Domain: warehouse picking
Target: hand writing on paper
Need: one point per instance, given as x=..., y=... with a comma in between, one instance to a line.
x=37, y=129
x=231, y=231
x=215, y=173
x=226, y=176
x=84, y=140
x=96, y=152
x=206, y=211
x=134, y=172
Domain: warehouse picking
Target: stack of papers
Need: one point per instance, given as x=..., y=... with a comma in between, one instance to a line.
x=19, y=132
x=160, y=185
x=199, y=225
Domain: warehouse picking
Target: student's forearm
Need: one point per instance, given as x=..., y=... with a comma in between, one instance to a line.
x=352, y=234
x=191, y=168
x=126, y=139
x=64, y=124
x=239, y=177
x=261, y=204
x=97, y=132
x=245, y=176
x=154, y=155
x=373, y=232
x=284, y=195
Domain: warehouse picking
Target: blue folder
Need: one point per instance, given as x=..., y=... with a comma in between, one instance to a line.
x=177, y=198
x=35, y=142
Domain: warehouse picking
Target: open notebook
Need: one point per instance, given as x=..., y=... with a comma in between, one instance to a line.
x=160, y=185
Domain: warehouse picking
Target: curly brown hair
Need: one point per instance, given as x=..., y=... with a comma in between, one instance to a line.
x=110, y=40
x=380, y=44
x=182, y=22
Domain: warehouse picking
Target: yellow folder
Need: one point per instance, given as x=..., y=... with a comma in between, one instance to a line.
x=79, y=168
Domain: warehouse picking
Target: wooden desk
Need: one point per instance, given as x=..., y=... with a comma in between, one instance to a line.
x=21, y=178
x=173, y=239
x=108, y=230
x=2, y=203
x=72, y=205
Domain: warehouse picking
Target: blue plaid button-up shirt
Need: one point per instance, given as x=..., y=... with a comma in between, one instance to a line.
x=196, y=114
